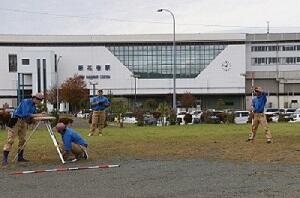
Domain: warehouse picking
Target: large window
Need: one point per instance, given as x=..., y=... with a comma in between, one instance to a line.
x=12, y=63
x=156, y=60
x=275, y=60
x=264, y=48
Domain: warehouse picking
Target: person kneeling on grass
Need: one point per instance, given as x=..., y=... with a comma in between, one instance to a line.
x=74, y=147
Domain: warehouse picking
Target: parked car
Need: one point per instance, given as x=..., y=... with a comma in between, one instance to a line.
x=179, y=118
x=287, y=115
x=272, y=114
x=215, y=116
x=196, y=117
x=129, y=118
x=295, y=117
x=10, y=110
x=83, y=113
x=150, y=120
x=241, y=117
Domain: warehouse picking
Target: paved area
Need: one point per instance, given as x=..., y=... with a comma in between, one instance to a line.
x=157, y=178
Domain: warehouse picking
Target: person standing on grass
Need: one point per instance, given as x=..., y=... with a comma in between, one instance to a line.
x=99, y=104
x=17, y=126
x=258, y=105
x=74, y=147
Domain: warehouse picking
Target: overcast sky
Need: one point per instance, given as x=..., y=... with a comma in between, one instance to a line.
x=141, y=17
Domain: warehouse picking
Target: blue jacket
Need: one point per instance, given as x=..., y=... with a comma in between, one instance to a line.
x=69, y=136
x=104, y=103
x=259, y=102
x=25, y=109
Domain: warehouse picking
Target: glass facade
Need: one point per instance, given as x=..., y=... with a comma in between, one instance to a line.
x=275, y=60
x=155, y=60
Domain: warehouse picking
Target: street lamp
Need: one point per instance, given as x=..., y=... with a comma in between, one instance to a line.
x=174, y=58
x=57, y=88
x=135, y=76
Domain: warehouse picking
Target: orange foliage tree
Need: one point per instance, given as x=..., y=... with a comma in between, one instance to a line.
x=187, y=100
x=74, y=91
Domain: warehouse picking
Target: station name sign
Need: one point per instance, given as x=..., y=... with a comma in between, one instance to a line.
x=95, y=68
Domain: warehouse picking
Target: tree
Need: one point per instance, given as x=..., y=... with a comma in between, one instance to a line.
x=119, y=107
x=187, y=100
x=150, y=105
x=164, y=110
x=74, y=91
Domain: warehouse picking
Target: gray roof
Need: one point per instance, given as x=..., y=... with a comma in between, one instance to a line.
x=120, y=38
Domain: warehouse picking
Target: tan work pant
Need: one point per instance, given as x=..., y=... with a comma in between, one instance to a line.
x=19, y=130
x=77, y=152
x=98, y=122
x=260, y=118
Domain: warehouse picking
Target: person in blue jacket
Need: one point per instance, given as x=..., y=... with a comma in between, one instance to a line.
x=74, y=146
x=17, y=126
x=258, y=106
x=99, y=104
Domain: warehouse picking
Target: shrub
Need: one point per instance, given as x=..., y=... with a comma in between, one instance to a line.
x=187, y=118
x=172, y=118
x=139, y=115
x=156, y=114
x=229, y=117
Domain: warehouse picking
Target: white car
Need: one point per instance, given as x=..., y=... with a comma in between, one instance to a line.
x=241, y=117
x=288, y=113
x=196, y=116
x=273, y=113
x=179, y=117
x=82, y=114
x=129, y=118
x=295, y=117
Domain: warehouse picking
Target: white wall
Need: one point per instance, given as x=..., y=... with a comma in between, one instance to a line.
x=214, y=79
x=33, y=55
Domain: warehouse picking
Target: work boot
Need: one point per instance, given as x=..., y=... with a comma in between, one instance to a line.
x=21, y=157
x=5, y=158
x=269, y=141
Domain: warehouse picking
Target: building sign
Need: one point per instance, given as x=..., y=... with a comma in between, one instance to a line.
x=92, y=77
x=94, y=68
x=107, y=67
x=104, y=76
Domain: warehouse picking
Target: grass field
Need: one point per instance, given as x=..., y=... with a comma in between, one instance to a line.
x=209, y=141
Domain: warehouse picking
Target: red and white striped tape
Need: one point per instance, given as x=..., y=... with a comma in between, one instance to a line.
x=65, y=169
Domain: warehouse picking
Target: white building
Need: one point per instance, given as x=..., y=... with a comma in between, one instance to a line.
x=213, y=67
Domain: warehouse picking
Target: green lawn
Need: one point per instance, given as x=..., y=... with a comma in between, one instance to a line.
x=211, y=141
